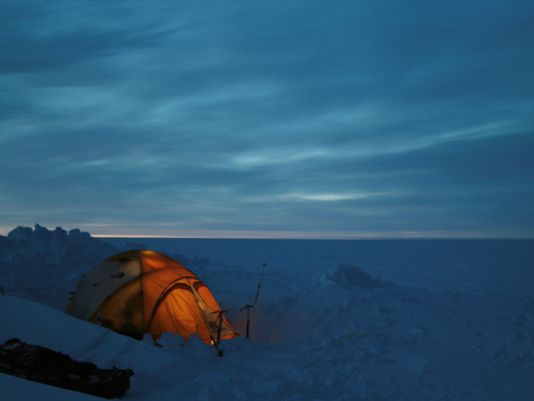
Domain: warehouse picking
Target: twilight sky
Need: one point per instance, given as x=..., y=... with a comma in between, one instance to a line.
x=268, y=119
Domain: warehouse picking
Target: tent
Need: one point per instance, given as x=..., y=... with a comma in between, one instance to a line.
x=144, y=291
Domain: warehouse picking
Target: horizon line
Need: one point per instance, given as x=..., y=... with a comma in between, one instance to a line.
x=333, y=238
x=294, y=235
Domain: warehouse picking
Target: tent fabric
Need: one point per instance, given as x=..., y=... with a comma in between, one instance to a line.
x=144, y=291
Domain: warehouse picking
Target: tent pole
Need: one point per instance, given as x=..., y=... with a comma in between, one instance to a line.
x=259, y=284
x=219, y=330
x=248, y=308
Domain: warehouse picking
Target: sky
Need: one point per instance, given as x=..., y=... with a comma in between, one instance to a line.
x=293, y=119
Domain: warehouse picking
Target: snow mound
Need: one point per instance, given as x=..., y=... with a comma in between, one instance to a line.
x=349, y=276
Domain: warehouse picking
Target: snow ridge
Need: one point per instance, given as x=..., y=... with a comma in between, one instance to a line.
x=40, y=258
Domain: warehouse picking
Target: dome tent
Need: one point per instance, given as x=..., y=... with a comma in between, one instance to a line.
x=144, y=291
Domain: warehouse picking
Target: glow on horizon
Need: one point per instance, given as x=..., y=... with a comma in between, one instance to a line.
x=296, y=235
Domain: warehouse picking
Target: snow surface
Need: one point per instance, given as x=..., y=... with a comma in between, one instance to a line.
x=24, y=390
x=317, y=334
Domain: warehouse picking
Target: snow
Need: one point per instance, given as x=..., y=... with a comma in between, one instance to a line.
x=23, y=390
x=338, y=332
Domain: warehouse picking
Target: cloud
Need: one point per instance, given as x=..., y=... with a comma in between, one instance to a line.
x=375, y=118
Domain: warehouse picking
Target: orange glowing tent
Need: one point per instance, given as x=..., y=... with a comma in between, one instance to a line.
x=143, y=291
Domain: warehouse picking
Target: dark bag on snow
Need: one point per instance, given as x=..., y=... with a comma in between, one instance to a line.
x=46, y=366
